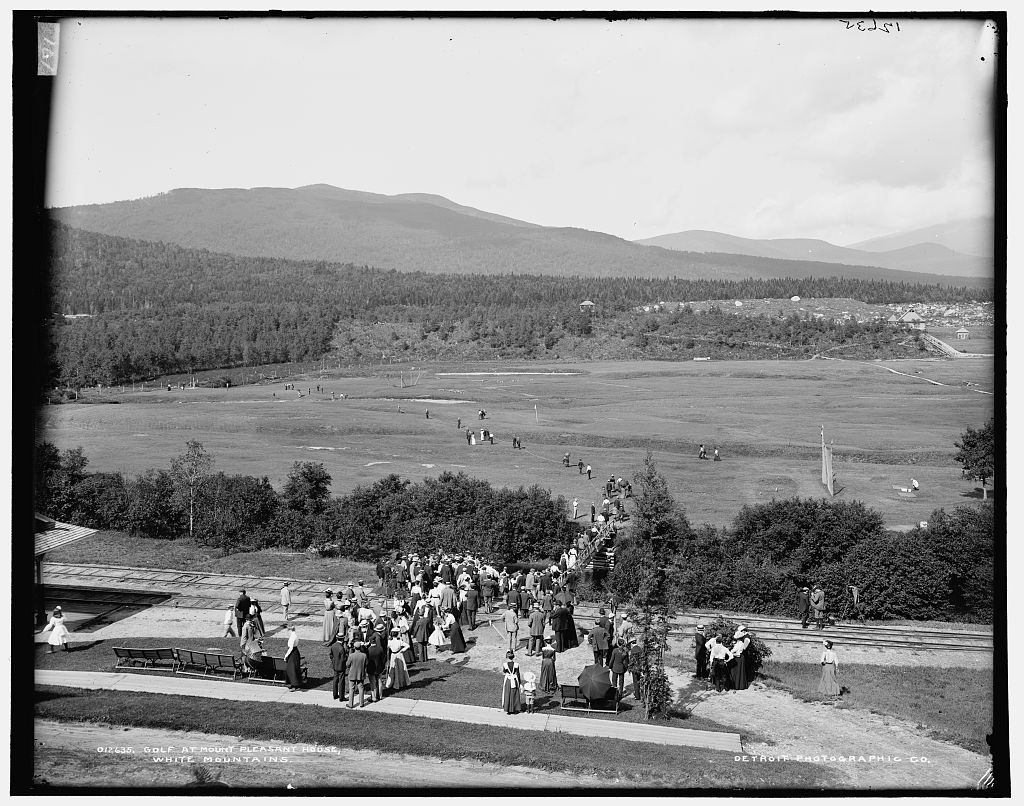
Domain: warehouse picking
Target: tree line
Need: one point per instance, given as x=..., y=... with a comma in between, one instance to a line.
x=157, y=309
x=754, y=565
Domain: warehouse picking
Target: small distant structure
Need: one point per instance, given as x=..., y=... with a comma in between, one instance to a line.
x=738, y=304
x=963, y=334
x=794, y=299
x=707, y=358
x=587, y=306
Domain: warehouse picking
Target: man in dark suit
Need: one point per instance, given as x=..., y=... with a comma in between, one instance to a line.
x=536, y=620
x=356, y=670
x=420, y=630
x=339, y=661
x=472, y=604
x=242, y=605
x=803, y=606
x=599, y=641
x=375, y=659
x=618, y=662
x=700, y=652
x=560, y=624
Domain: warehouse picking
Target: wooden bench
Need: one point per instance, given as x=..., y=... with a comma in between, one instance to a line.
x=572, y=699
x=274, y=670
x=209, y=662
x=127, y=657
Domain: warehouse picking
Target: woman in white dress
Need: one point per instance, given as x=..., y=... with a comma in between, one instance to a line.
x=60, y=635
x=398, y=673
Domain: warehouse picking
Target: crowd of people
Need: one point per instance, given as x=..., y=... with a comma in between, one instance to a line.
x=722, y=661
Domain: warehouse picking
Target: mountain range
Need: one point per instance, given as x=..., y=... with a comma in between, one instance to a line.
x=425, y=232
x=923, y=250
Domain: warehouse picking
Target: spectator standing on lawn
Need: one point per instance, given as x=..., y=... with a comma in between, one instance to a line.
x=376, y=659
x=719, y=655
x=381, y=573
x=488, y=591
x=589, y=471
x=330, y=625
x=740, y=675
x=471, y=605
x=513, y=682
x=618, y=662
x=286, y=600
x=700, y=652
x=803, y=606
x=530, y=691
x=339, y=661
x=818, y=604
x=355, y=668
x=828, y=685
x=548, y=674
x=257, y=614
x=398, y=674
x=537, y=621
x=599, y=640
x=512, y=627
x=580, y=466
x=456, y=638
x=242, y=605
x=292, y=661
x=229, y=623
x=422, y=627
x=593, y=508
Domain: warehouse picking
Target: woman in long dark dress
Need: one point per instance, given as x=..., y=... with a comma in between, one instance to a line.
x=292, y=662
x=571, y=634
x=548, y=676
x=739, y=666
x=456, y=638
x=512, y=685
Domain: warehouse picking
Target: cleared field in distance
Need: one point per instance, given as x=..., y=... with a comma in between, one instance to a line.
x=764, y=416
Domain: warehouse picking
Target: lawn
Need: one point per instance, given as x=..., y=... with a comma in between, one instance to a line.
x=118, y=548
x=647, y=765
x=435, y=680
x=951, y=704
x=763, y=415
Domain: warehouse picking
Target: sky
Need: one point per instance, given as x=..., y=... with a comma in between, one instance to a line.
x=758, y=128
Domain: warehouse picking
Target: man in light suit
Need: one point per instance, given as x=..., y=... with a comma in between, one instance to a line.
x=286, y=600
x=355, y=666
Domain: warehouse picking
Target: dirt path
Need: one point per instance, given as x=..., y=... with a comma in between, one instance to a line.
x=886, y=753
x=68, y=754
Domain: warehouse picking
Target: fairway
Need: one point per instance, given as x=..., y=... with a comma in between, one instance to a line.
x=889, y=420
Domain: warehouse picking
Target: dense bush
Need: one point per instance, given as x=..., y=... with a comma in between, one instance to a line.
x=942, y=572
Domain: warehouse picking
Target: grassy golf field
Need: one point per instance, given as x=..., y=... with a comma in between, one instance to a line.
x=889, y=421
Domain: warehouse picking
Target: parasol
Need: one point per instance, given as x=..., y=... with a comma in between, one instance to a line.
x=595, y=682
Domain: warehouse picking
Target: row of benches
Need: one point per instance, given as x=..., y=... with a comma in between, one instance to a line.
x=189, y=661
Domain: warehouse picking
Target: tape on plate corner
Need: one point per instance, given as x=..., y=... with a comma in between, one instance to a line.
x=48, y=47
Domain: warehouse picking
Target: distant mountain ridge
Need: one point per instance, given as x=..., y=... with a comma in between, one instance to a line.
x=892, y=251
x=968, y=236
x=416, y=231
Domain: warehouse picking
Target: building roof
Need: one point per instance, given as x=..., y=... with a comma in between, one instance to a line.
x=57, y=535
x=911, y=316
x=963, y=330
x=586, y=302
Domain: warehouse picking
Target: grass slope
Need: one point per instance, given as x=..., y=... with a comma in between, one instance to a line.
x=951, y=704
x=646, y=765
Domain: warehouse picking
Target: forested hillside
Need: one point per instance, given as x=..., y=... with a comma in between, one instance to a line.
x=416, y=233
x=156, y=308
